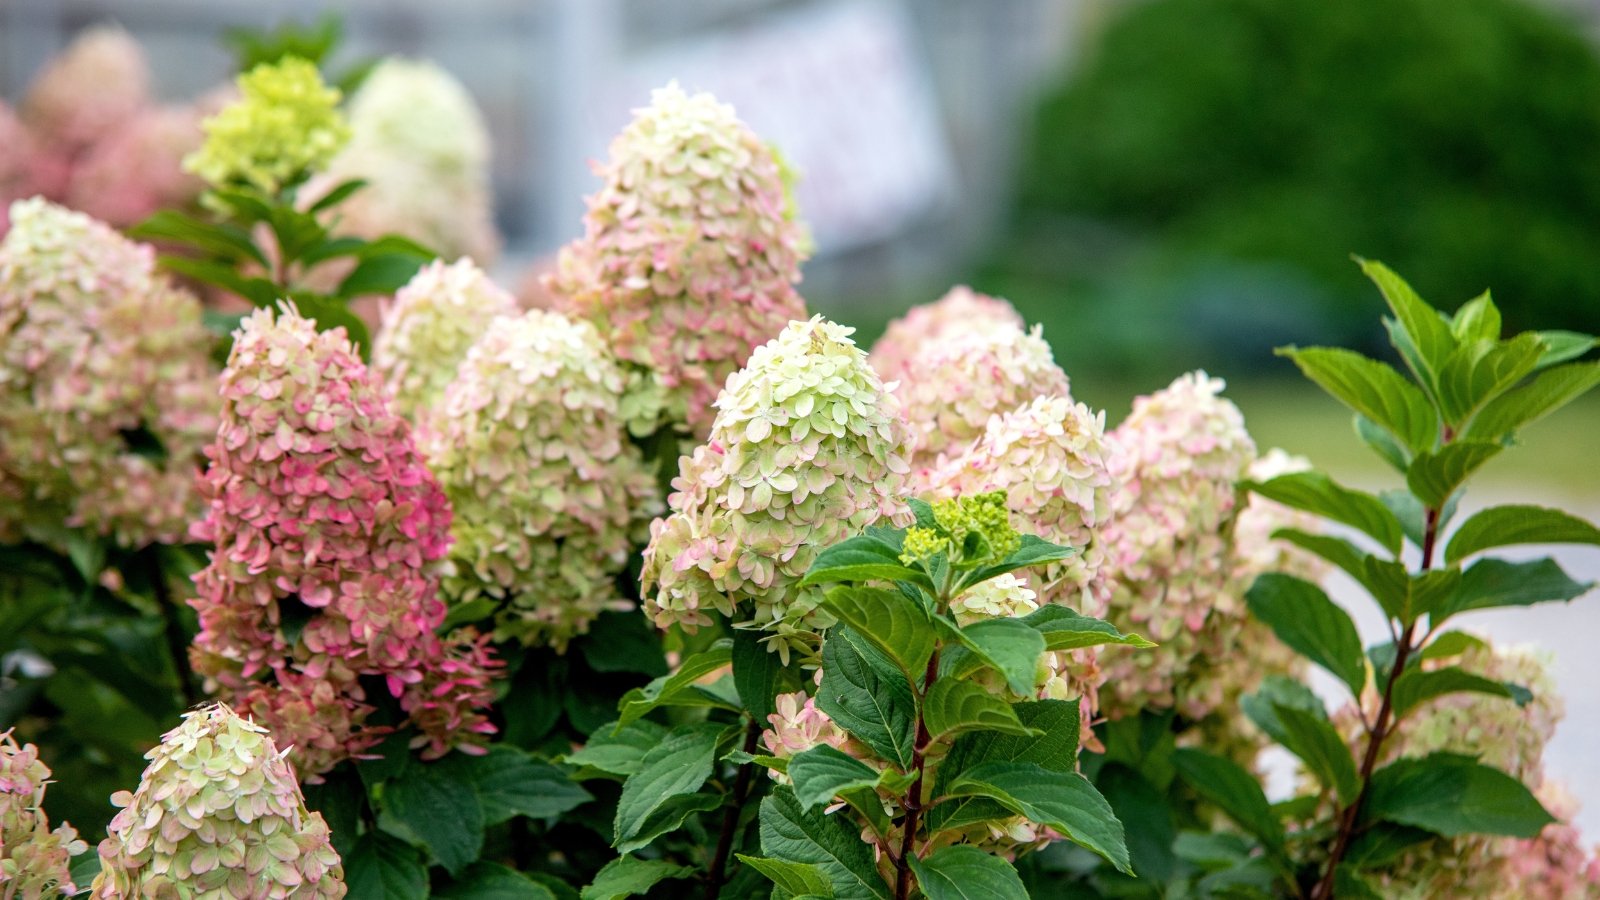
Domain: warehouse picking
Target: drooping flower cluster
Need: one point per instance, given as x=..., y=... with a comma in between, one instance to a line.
x=530, y=445
x=428, y=328
x=961, y=311
x=690, y=251
x=34, y=858
x=285, y=124
x=106, y=388
x=1177, y=459
x=807, y=449
x=421, y=145
x=1500, y=733
x=327, y=528
x=218, y=813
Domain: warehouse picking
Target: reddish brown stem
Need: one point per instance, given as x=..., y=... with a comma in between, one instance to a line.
x=913, y=798
x=716, y=875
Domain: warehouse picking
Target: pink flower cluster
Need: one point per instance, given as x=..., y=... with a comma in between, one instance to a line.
x=107, y=390
x=34, y=858
x=960, y=311
x=690, y=251
x=89, y=135
x=327, y=530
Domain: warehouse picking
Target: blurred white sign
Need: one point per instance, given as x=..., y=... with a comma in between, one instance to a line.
x=840, y=89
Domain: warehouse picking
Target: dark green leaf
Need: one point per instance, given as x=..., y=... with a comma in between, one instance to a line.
x=442, y=809
x=822, y=773
x=792, y=878
x=1451, y=643
x=385, y=868
x=258, y=291
x=862, y=558
x=1383, y=843
x=1384, y=579
x=1374, y=390
x=339, y=193
x=1064, y=801
x=1416, y=686
x=1503, y=526
x=511, y=783
x=619, y=749
x=629, y=876
x=1434, y=477
x=1146, y=819
x=1303, y=617
x=897, y=625
x=1348, y=883
x=1235, y=791
x=831, y=843
x=1064, y=629
x=1383, y=443
x=1008, y=646
x=1033, y=551
x=678, y=765
x=1053, y=745
x=964, y=872
x=492, y=881
x=382, y=273
x=953, y=706
x=1544, y=394
x=1317, y=493
x=227, y=241
x=1430, y=590
x=867, y=696
x=623, y=642
x=330, y=313
x=680, y=688
x=1492, y=582
x=1453, y=795
x=331, y=248
x=1312, y=737
x=670, y=816
x=759, y=674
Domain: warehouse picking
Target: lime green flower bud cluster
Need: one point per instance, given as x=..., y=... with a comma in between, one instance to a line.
x=34, y=858
x=218, y=813
x=285, y=125
x=530, y=446
x=971, y=531
x=428, y=329
x=807, y=448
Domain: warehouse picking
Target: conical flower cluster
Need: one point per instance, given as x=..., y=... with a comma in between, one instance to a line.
x=1177, y=459
x=218, y=813
x=97, y=84
x=806, y=450
x=34, y=858
x=961, y=311
x=285, y=124
x=138, y=168
x=106, y=388
x=327, y=531
x=531, y=448
x=690, y=251
x=422, y=146
x=428, y=328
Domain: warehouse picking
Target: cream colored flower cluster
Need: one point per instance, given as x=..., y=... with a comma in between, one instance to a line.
x=549, y=495
x=218, y=813
x=806, y=450
x=107, y=390
x=690, y=251
x=34, y=858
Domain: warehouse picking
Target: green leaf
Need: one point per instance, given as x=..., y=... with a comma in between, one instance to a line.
x=678, y=765
x=1234, y=791
x=1492, y=582
x=1064, y=801
x=1478, y=319
x=897, y=625
x=383, y=867
x=1033, y=551
x=760, y=676
x=831, y=843
x=1312, y=738
x=492, y=881
x=1384, y=579
x=442, y=810
x=792, y=878
x=619, y=749
x=1064, y=629
x=963, y=872
x=680, y=688
x=1453, y=795
x=1317, y=493
x=338, y=194
x=867, y=696
x=1451, y=643
x=1547, y=392
x=629, y=876
x=1382, y=844
x=1479, y=371
x=1428, y=332
x=822, y=773
x=1146, y=819
x=953, y=706
x=258, y=291
x=227, y=241
x=1503, y=526
x=1383, y=443
x=330, y=313
x=1303, y=617
x=1415, y=686
x=1430, y=590
x=381, y=273
x=623, y=642
x=862, y=558
x=511, y=783
x=1008, y=646
x=1053, y=745
x=1348, y=883
x=670, y=816
x=1561, y=346
x=1434, y=477
x=1374, y=390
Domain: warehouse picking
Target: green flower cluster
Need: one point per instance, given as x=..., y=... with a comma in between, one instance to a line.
x=973, y=531
x=285, y=125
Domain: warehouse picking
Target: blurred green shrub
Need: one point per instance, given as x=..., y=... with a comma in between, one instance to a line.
x=1460, y=140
